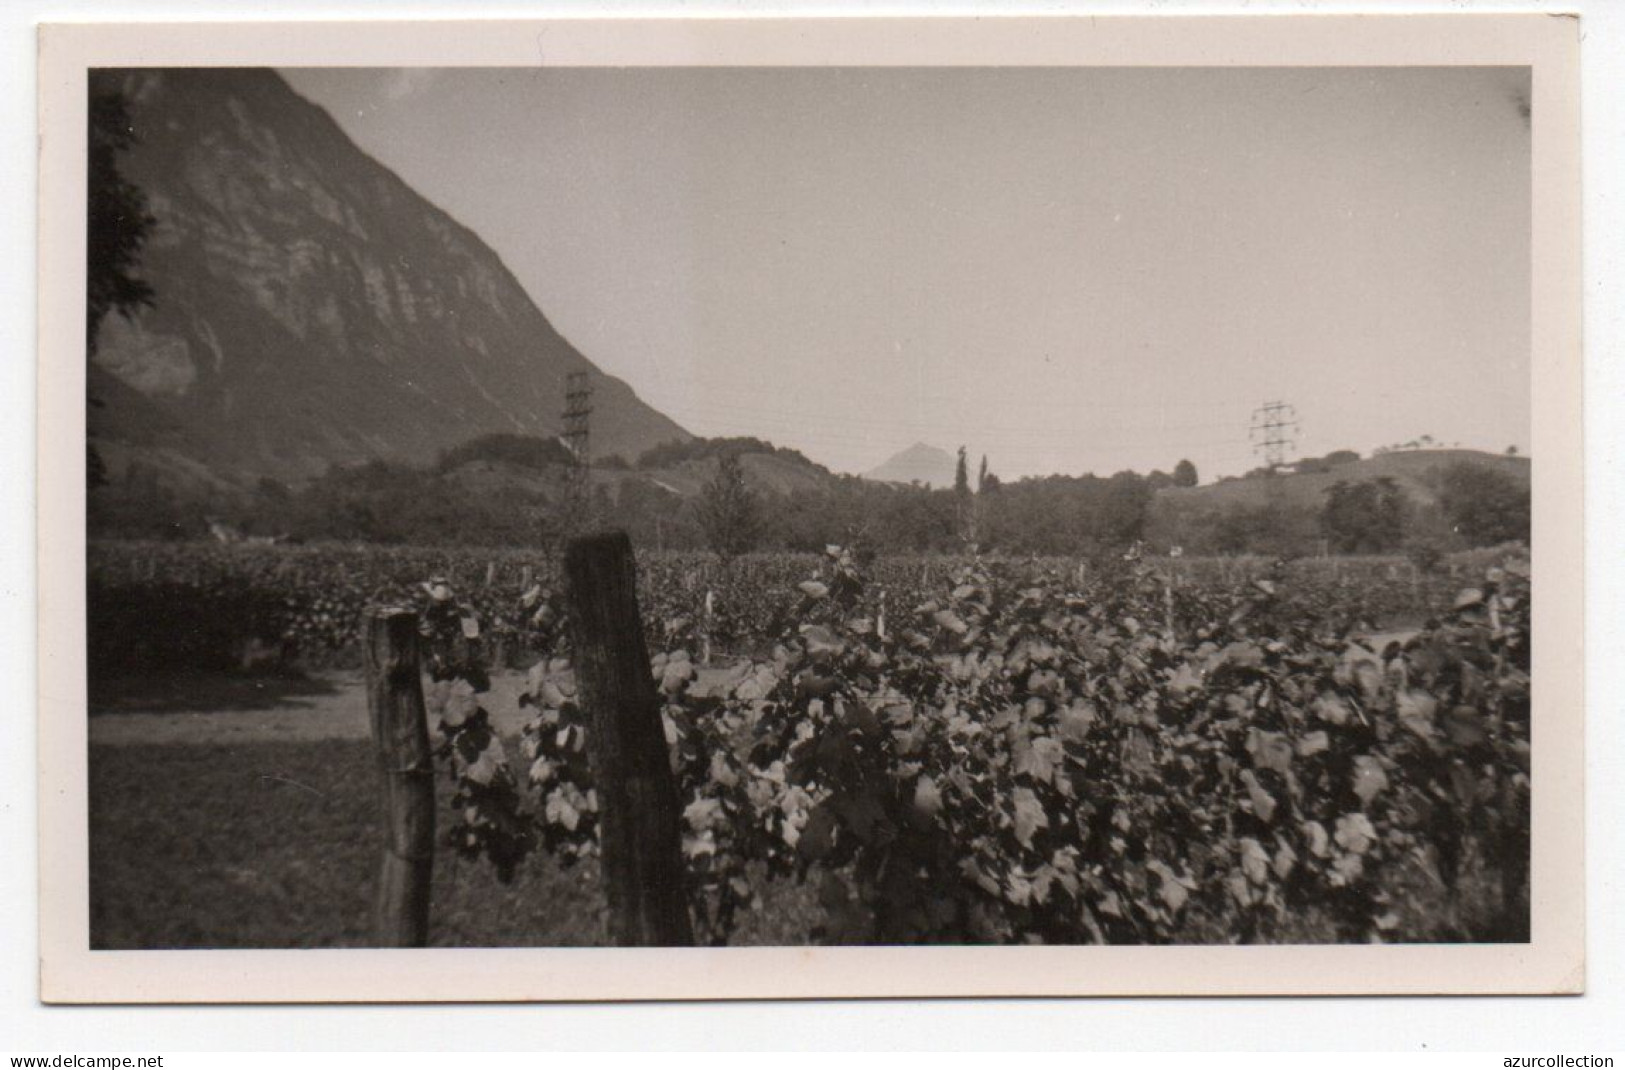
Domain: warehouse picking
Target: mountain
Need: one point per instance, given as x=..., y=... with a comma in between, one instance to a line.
x=310, y=308
x=917, y=464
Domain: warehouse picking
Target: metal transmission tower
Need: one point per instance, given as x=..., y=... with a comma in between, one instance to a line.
x=1274, y=432
x=577, y=414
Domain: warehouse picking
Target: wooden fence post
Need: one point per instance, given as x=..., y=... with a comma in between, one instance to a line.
x=400, y=735
x=639, y=814
x=705, y=631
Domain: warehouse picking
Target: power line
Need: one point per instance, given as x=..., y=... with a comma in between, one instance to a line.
x=577, y=439
x=1274, y=432
x=793, y=422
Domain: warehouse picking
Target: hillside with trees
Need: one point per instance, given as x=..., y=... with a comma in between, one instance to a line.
x=733, y=495
x=1399, y=500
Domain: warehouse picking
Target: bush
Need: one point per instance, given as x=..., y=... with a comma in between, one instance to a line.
x=1428, y=552
x=1366, y=517
x=524, y=451
x=220, y=626
x=1484, y=505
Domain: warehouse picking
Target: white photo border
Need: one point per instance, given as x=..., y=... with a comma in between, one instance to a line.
x=1552, y=962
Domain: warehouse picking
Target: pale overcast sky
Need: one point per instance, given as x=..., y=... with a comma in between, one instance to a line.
x=1067, y=270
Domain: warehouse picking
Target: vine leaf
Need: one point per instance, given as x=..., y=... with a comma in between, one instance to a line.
x=1355, y=833
x=1172, y=888
x=818, y=834
x=1369, y=778
x=1313, y=743
x=1255, y=861
x=1270, y=750
x=1464, y=726
x=1038, y=758
x=490, y=764
x=927, y=796
x=1263, y=802
x=1030, y=816
x=1416, y=709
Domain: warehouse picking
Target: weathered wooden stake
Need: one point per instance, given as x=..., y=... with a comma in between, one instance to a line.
x=400, y=735
x=638, y=808
x=705, y=635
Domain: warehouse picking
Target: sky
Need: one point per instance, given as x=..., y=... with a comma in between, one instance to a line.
x=1065, y=270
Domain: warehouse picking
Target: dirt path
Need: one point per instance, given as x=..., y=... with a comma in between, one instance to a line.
x=1376, y=641
x=332, y=706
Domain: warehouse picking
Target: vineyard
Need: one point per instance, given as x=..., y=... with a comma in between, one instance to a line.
x=191, y=606
x=963, y=750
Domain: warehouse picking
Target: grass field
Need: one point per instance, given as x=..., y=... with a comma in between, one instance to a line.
x=275, y=845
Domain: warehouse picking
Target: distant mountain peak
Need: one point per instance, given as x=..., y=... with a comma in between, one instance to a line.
x=920, y=463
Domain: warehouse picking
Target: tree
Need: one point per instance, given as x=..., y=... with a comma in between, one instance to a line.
x=1483, y=505
x=1122, y=513
x=117, y=225
x=1184, y=474
x=964, y=513
x=1366, y=517
x=728, y=510
x=1237, y=528
x=983, y=520
x=117, y=221
x=987, y=482
x=521, y=451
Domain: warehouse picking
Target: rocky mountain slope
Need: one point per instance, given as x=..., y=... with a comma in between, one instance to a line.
x=310, y=308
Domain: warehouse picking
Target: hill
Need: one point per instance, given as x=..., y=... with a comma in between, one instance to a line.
x=311, y=309
x=1414, y=470
x=926, y=465
x=1272, y=514
x=765, y=472
x=498, y=489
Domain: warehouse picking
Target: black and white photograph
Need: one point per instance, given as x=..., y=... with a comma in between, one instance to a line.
x=848, y=505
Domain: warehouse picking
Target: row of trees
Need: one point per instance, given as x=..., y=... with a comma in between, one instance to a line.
x=1054, y=515
x=390, y=503
x=1468, y=504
